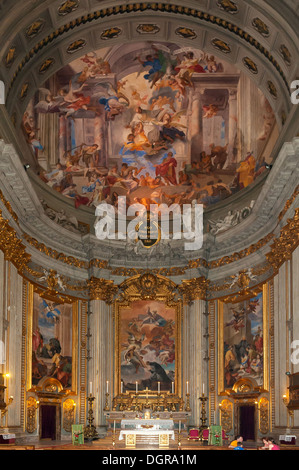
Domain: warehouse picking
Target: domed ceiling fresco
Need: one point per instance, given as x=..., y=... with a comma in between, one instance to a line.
x=155, y=122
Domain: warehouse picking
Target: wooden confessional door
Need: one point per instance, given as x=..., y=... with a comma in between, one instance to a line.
x=50, y=422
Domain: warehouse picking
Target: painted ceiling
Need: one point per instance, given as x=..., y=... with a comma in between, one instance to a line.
x=209, y=129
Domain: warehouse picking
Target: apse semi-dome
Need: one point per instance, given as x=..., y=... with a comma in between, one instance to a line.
x=154, y=121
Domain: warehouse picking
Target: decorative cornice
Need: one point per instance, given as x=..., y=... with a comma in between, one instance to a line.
x=146, y=7
x=149, y=283
x=283, y=247
x=12, y=247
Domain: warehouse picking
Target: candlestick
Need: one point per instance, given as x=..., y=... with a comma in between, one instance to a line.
x=90, y=432
x=203, y=417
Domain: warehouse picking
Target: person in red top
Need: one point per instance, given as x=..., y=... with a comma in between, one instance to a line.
x=166, y=169
x=272, y=444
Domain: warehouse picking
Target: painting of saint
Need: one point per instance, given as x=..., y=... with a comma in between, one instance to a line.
x=147, y=345
x=243, y=341
x=51, y=341
x=136, y=105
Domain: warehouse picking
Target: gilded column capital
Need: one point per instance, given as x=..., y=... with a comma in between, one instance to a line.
x=193, y=289
x=102, y=289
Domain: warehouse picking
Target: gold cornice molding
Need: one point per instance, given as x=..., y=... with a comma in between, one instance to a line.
x=283, y=246
x=148, y=286
x=12, y=247
x=197, y=288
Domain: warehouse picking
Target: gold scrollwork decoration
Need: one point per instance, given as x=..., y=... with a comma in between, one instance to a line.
x=226, y=415
x=69, y=408
x=283, y=247
x=31, y=406
x=193, y=289
x=102, y=289
x=264, y=415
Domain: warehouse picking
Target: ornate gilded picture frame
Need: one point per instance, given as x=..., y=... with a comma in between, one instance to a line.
x=147, y=337
x=243, y=324
x=52, y=340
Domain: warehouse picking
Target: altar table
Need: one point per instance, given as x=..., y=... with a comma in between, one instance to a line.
x=148, y=430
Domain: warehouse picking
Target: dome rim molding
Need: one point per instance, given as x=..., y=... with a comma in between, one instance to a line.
x=198, y=15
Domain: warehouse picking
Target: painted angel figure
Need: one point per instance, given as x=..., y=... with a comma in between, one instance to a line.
x=74, y=99
x=51, y=312
x=159, y=64
x=49, y=103
x=113, y=100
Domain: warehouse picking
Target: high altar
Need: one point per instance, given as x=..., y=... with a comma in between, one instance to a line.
x=148, y=417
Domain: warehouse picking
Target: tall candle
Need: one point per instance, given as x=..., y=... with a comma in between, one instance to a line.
x=107, y=387
x=179, y=426
x=203, y=389
x=172, y=387
x=114, y=426
x=90, y=388
x=158, y=387
x=121, y=387
x=187, y=385
x=136, y=386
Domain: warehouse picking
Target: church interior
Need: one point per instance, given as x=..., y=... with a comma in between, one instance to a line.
x=149, y=260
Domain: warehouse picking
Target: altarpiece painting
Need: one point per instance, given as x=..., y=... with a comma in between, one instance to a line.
x=53, y=341
x=243, y=341
x=148, y=346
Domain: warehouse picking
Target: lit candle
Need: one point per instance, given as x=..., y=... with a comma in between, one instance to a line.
x=107, y=387
x=187, y=385
x=172, y=387
x=136, y=386
x=158, y=387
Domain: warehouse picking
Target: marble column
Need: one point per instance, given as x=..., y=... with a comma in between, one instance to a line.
x=281, y=347
x=195, y=123
x=14, y=335
x=233, y=126
x=193, y=352
x=100, y=367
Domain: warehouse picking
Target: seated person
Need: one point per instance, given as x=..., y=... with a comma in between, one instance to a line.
x=237, y=442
